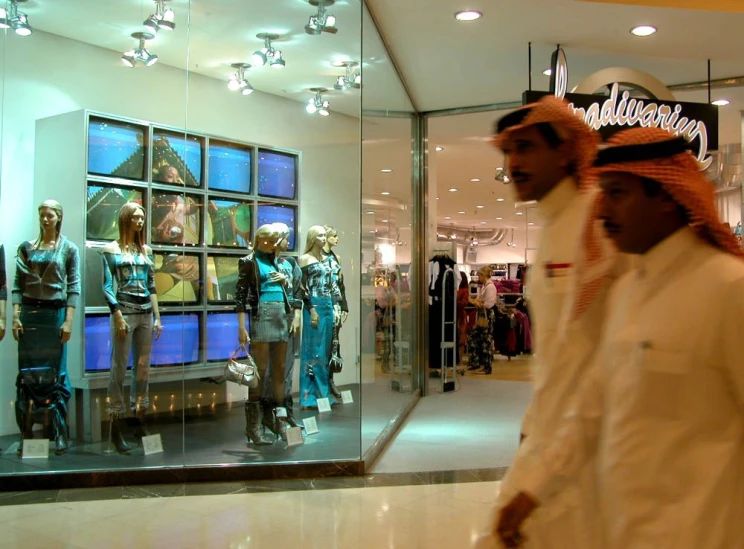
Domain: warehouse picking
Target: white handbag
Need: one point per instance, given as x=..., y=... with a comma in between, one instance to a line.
x=244, y=372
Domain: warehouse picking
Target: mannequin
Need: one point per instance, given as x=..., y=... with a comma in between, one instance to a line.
x=129, y=289
x=46, y=289
x=319, y=317
x=293, y=274
x=340, y=290
x=261, y=292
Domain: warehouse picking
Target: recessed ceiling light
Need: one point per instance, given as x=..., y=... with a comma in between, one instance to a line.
x=720, y=102
x=520, y=213
x=500, y=199
x=530, y=223
x=439, y=149
x=448, y=217
x=475, y=180
x=371, y=212
x=548, y=72
x=384, y=220
x=483, y=223
x=468, y=15
x=480, y=206
x=373, y=231
x=386, y=170
x=437, y=198
x=385, y=193
x=338, y=63
x=643, y=30
x=452, y=190
x=461, y=212
x=499, y=218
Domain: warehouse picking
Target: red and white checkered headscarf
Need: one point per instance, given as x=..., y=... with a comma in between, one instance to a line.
x=655, y=154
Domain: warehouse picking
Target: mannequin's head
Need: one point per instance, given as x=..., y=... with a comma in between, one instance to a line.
x=316, y=238
x=331, y=237
x=266, y=237
x=50, y=217
x=282, y=231
x=131, y=224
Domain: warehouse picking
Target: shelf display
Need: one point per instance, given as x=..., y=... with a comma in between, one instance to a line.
x=177, y=277
x=222, y=277
x=177, y=158
x=277, y=174
x=230, y=167
x=176, y=218
x=117, y=149
x=103, y=204
x=279, y=213
x=229, y=223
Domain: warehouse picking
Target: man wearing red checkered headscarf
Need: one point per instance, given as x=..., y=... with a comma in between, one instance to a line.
x=662, y=411
x=549, y=152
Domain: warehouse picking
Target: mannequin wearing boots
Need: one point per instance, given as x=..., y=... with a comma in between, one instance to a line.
x=45, y=292
x=339, y=291
x=318, y=319
x=129, y=289
x=262, y=293
x=293, y=274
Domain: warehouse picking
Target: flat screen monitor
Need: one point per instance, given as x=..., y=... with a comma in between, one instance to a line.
x=175, y=218
x=230, y=223
x=279, y=213
x=222, y=277
x=103, y=205
x=93, y=286
x=98, y=343
x=179, y=342
x=222, y=336
x=229, y=167
x=177, y=278
x=116, y=149
x=277, y=174
x=177, y=158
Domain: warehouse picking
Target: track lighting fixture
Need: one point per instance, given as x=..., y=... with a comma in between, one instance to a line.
x=268, y=54
x=322, y=21
x=238, y=81
x=501, y=176
x=140, y=53
x=352, y=78
x=317, y=103
x=163, y=18
x=17, y=20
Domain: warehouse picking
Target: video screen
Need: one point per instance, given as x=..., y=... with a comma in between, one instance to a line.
x=222, y=277
x=177, y=278
x=103, y=205
x=176, y=218
x=179, y=342
x=278, y=213
x=222, y=336
x=277, y=174
x=93, y=286
x=229, y=167
x=229, y=223
x=116, y=149
x=177, y=158
x=98, y=343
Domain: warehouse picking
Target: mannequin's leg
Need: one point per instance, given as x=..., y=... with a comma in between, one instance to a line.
x=139, y=395
x=277, y=351
x=260, y=354
x=117, y=409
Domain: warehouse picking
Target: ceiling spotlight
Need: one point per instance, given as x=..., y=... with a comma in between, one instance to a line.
x=385, y=193
x=386, y=170
x=317, y=103
x=475, y=180
x=643, y=30
x=352, y=78
x=480, y=206
x=548, y=72
x=499, y=218
x=452, y=190
x=17, y=20
x=520, y=213
x=484, y=222
x=439, y=149
x=720, y=102
x=501, y=176
x=371, y=212
x=268, y=54
x=129, y=58
x=531, y=224
x=499, y=200
x=322, y=21
x=468, y=15
x=447, y=217
x=163, y=18
x=238, y=81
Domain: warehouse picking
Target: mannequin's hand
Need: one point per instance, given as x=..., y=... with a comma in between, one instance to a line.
x=157, y=328
x=17, y=329
x=510, y=519
x=2, y=330
x=243, y=337
x=122, y=328
x=344, y=316
x=65, y=332
x=295, y=327
x=314, y=319
x=278, y=277
x=337, y=315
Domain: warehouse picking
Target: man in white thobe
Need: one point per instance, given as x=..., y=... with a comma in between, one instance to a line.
x=548, y=150
x=663, y=408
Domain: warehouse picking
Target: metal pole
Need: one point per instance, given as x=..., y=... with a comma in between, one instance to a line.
x=709, y=83
x=419, y=244
x=529, y=64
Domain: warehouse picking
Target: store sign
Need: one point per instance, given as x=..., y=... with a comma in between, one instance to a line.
x=696, y=122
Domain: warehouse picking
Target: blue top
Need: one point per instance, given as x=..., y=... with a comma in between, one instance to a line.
x=128, y=281
x=270, y=290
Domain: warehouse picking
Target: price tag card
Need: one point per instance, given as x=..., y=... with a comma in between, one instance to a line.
x=35, y=449
x=294, y=437
x=311, y=425
x=346, y=397
x=324, y=405
x=152, y=444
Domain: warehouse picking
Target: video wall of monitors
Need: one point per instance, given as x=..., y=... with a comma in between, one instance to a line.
x=204, y=197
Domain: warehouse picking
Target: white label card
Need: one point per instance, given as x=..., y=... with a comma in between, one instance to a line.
x=152, y=444
x=35, y=449
x=294, y=437
x=346, y=397
x=311, y=425
x=324, y=405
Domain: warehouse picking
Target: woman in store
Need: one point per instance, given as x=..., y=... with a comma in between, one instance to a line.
x=481, y=338
x=319, y=316
x=261, y=292
x=46, y=289
x=339, y=290
x=129, y=289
